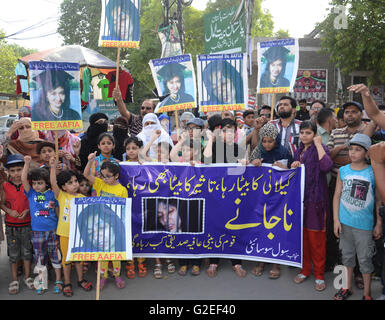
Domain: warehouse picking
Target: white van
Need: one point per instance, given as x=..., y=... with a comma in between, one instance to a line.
x=6, y=122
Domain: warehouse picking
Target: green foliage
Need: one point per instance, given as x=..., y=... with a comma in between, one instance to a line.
x=9, y=53
x=359, y=46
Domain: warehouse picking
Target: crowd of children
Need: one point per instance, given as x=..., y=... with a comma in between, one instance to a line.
x=36, y=198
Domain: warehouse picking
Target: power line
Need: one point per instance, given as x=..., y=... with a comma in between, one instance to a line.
x=36, y=37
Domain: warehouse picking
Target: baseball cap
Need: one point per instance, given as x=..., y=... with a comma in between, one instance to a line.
x=353, y=103
x=361, y=140
x=14, y=159
x=197, y=121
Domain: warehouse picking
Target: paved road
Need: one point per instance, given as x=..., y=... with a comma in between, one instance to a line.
x=226, y=286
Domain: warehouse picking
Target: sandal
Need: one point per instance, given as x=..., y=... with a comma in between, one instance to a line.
x=58, y=286
x=275, y=274
x=320, y=285
x=29, y=283
x=343, y=294
x=142, y=270
x=212, y=270
x=13, y=287
x=170, y=266
x=239, y=271
x=67, y=290
x=158, y=274
x=130, y=271
x=195, y=271
x=258, y=270
x=367, y=298
x=102, y=283
x=119, y=282
x=182, y=271
x=85, y=285
x=299, y=278
x=40, y=291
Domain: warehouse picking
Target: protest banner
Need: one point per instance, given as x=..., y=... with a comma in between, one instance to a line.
x=120, y=24
x=170, y=39
x=175, y=77
x=222, y=82
x=277, y=66
x=100, y=229
x=222, y=36
x=311, y=84
x=184, y=211
x=55, y=95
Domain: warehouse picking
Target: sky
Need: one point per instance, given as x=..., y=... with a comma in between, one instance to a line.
x=41, y=16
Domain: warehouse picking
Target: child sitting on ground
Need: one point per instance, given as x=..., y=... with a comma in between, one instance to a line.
x=44, y=211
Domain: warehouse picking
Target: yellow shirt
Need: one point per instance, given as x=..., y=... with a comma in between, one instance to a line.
x=64, y=199
x=105, y=190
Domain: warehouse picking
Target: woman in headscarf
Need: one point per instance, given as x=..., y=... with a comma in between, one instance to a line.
x=69, y=145
x=150, y=125
x=120, y=133
x=223, y=83
x=27, y=140
x=89, y=142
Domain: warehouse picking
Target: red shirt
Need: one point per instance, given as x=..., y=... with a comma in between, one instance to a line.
x=16, y=199
x=125, y=80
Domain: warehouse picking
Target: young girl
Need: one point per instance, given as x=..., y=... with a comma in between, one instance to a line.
x=107, y=186
x=66, y=186
x=354, y=201
x=316, y=158
x=106, y=145
x=132, y=146
x=270, y=151
x=44, y=210
x=189, y=154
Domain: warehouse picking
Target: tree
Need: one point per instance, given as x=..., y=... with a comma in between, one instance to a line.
x=356, y=41
x=9, y=54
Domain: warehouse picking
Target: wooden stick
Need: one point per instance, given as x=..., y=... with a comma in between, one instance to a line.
x=57, y=146
x=177, y=124
x=272, y=107
x=98, y=282
x=117, y=68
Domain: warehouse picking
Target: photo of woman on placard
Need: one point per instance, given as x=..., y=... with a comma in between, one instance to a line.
x=274, y=73
x=122, y=17
x=51, y=100
x=100, y=230
x=223, y=83
x=173, y=78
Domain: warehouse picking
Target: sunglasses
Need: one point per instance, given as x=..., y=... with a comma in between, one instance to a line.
x=267, y=115
x=105, y=177
x=146, y=108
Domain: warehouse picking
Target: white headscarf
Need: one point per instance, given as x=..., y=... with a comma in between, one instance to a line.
x=147, y=132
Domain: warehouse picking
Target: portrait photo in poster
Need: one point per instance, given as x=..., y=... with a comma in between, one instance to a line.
x=174, y=77
x=173, y=215
x=170, y=40
x=100, y=225
x=55, y=95
x=277, y=66
x=120, y=24
x=222, y=82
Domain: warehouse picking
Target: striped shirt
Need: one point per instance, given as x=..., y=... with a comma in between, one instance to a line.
x=340, y=137
x=292, y=130
x=135, y=124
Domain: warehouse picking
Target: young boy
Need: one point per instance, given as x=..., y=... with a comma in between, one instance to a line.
x=46, y=150
x=107, y=186
x=44, y=211
x=17, y=222
x=353, y=204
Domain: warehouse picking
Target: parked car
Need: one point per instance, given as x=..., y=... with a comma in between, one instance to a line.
x=6, y=122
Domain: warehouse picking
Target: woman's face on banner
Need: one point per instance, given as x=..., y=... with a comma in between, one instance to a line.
x=100, y=234
x=174, y=220
x=173, y=85
x=56, y=97
x=223, y=88
x=275, y=68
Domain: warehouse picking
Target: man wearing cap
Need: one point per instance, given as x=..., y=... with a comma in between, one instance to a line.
x=339, y=153
x=134, y=120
